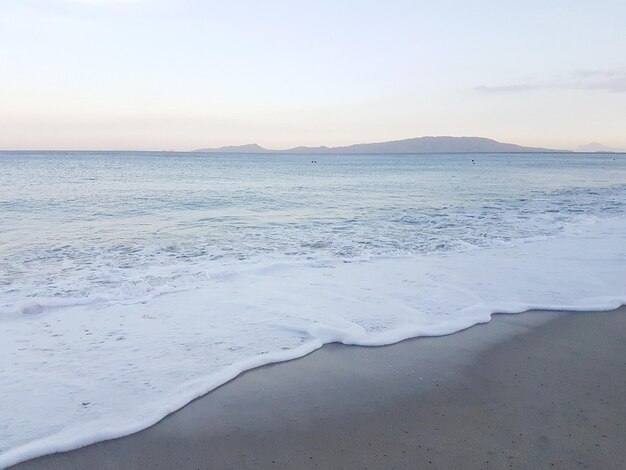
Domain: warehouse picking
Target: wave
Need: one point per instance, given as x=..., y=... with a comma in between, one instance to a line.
x=156, y=356
x=81, y=436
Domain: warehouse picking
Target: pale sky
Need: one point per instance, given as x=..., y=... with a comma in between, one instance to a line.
x=184, y=74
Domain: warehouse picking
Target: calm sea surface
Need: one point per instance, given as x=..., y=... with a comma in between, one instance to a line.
x=123, y=224
x=132, y=283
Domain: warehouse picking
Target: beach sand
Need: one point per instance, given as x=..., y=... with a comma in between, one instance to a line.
x=534, y=390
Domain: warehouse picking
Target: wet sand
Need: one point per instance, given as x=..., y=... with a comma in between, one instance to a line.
x=529, y=391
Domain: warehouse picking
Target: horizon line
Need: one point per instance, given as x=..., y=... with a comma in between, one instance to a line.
x=286, y=152
x=302, y=148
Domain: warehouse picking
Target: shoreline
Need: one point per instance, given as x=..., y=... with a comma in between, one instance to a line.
x=522, y=391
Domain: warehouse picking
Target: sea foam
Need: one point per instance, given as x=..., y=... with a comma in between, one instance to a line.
x=80, y=371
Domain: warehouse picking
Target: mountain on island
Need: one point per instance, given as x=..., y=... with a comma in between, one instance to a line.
x=596, y=147
x=415, y=145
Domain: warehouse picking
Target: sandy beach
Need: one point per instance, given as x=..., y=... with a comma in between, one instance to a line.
x=527, y=391
x=312, y=235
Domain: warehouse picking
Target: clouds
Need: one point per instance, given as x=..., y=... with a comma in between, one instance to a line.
x=286, y=72
x=613, y=81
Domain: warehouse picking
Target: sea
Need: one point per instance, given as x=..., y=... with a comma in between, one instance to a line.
x=134, y=282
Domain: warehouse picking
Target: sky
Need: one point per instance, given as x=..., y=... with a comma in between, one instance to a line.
x=186, y=74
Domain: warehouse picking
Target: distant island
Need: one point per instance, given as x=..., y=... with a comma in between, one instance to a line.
x=443, y=144
x=596, y=147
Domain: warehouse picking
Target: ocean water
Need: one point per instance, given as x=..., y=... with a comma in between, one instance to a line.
x=131, y=283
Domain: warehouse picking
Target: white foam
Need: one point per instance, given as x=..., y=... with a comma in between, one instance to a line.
x=86, y=371
x=34, y=305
